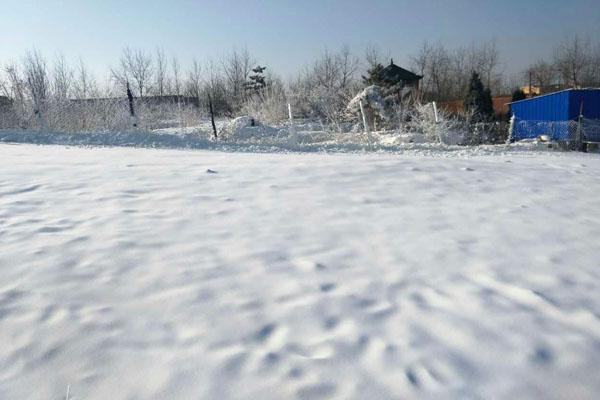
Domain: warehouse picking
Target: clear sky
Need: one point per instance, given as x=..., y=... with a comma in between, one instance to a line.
x=286, y=35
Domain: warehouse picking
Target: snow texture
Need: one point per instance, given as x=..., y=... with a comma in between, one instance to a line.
x=154, y=274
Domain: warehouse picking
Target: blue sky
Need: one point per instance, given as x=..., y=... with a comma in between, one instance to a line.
x=285, y=35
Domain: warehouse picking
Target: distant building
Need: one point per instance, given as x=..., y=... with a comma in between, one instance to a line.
x=539, y=90
x=407, y=82
x=557, y=115
x=149, y=100
x=531, y=90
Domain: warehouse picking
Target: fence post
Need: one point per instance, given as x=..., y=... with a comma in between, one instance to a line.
x=578, y=138
x=291, y=117
x=212, y=116
x=437, y=120
x=131, y=108
x=364, y=118
x=511, y=128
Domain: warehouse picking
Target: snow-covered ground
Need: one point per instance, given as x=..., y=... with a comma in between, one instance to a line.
x=139, y=274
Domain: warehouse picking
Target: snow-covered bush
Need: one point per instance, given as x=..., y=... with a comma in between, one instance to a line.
x=323, y=90
x=377, y=112
x=247, y=128
x=448, y=130
x=269, y=106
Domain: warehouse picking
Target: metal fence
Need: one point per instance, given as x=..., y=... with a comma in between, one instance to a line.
x=590, y=130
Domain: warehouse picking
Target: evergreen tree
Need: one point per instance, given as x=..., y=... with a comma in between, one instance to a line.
x=257, y=82
x=518, y=95
x=479, y=99
x=487, y=106
x=374, y=76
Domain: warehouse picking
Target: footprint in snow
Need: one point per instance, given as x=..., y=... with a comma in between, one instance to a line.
x=542, y=355
x=327, y=287
x=320, y=267
x=265, y=332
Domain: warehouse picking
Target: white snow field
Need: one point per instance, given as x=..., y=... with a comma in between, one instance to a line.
x=139, y=274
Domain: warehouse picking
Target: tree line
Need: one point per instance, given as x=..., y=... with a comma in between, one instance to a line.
x=237, y=84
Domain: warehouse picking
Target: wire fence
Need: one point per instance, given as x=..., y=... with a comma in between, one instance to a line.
x=588, y=130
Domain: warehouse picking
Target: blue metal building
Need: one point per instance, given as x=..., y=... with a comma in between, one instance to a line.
x=555, y=114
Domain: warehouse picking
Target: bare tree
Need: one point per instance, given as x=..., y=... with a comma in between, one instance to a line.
x=489, y=61
x=194, y=80
x=446, y=73
x=237, y=67
x=84, y=85
x=324, y=89
x=326, y=70
x=15, y=87
x=135, y=65
x=461, y=72
x=440, y=72
x=176, y=70
x=434, y=62
x=36, y=78
x=373, y=56
x=348, y=67
x=215, y=87
x=571, y=58
x=4, y=88
x=420, y=61
x=592, y=72
x=542, y=73
x=161, y=78
x=62, y=78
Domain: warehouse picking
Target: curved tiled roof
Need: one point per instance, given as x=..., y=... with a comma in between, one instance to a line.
x=394, y=73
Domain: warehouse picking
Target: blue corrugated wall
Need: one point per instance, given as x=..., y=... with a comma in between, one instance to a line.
x=549, y=114
x=591, y=103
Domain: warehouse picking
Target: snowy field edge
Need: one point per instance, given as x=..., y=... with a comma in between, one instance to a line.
x=302, y=142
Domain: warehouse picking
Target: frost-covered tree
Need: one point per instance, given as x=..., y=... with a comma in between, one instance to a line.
x=271, y=105
x=62, y=79
x=324, y=89
x=135, y=66
x=237, y=68
x=215, y=87
x=194, y=80
x=15, y=85
x=84, y=85
x=176, y=71
x=161, y=80
x=14, y=88
x=37, y=82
